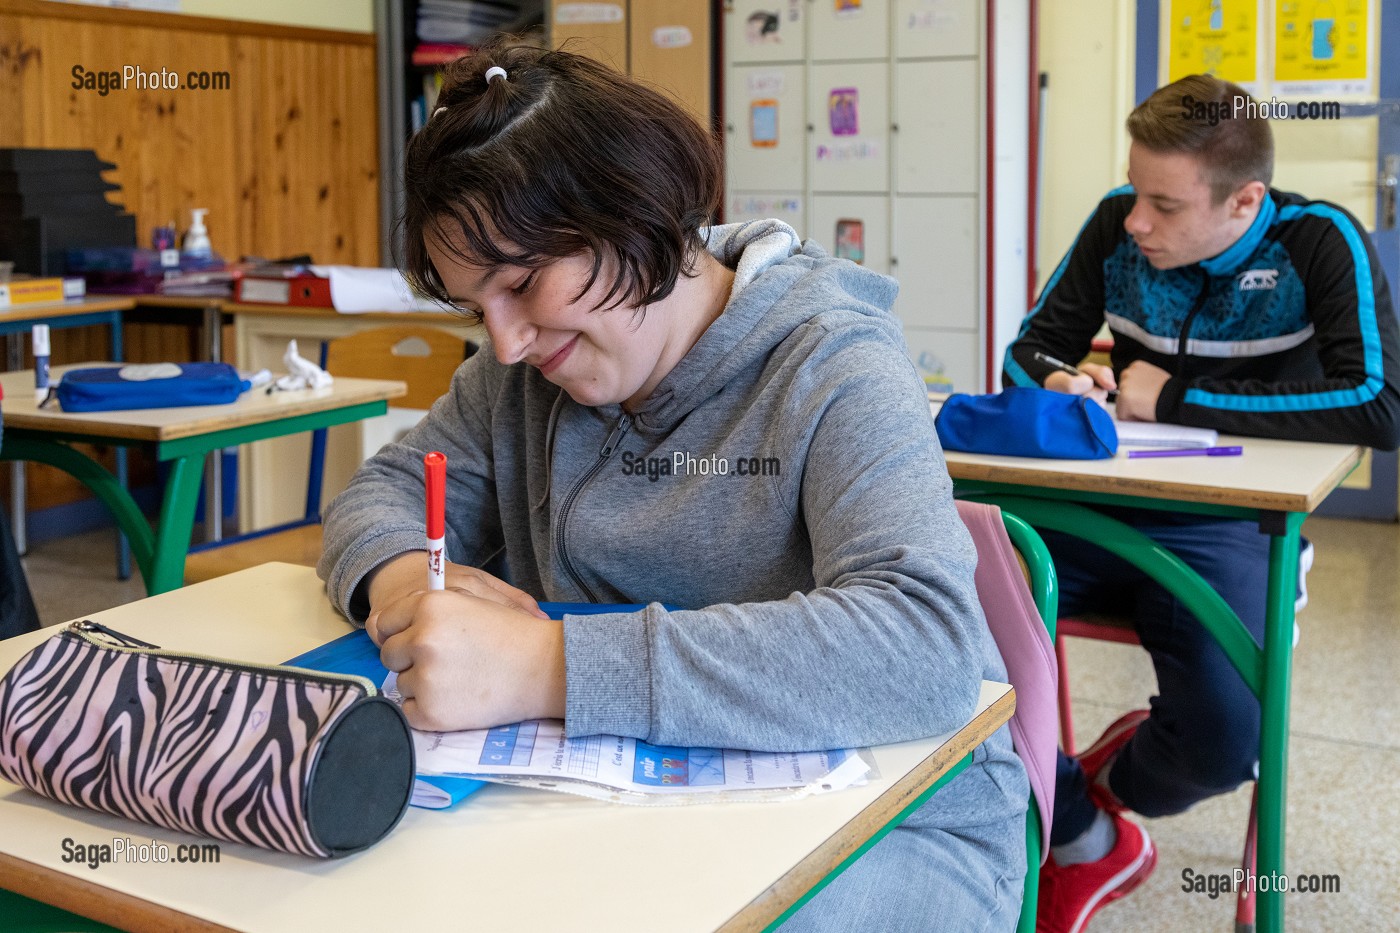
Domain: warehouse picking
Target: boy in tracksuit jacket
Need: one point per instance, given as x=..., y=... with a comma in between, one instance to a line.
x=1232, y=306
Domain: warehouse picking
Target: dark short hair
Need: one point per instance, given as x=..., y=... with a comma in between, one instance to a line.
x=561, y=157
x=1196, y=115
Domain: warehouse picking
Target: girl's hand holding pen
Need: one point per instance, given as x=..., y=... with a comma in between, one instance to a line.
x=464, y=662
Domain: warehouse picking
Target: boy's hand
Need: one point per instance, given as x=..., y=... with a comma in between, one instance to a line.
x=1137, y=393
x=1094, y=380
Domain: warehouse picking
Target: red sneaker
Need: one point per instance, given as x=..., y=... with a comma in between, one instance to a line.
x=1071, y=894
x=1097, y=757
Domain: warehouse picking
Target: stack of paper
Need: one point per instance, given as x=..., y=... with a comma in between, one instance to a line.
x=1155, y=434
x=537, y=754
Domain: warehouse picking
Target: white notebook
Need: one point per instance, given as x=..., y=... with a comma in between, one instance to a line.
x=1154, y=434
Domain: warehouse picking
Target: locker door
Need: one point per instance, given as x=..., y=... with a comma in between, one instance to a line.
x=936, y=28
x=849, y=111
x=948, y=361
x=853, y=227
x=765, y=129
x=849, y=29
x=764, y=31
x=936, y=110
x=937, y=261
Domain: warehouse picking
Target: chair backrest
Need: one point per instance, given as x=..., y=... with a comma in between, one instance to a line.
x=423, y=357
x=1022, y=633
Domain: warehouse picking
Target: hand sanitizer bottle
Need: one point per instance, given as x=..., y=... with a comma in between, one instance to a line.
x=196, y=244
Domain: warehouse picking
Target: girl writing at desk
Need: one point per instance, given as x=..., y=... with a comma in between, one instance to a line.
x=720, y=418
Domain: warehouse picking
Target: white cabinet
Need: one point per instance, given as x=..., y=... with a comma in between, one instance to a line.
x=935, y=243
x=886, y=101
x=848, y=110
x=766, y=128
x=844, y=30
x=939, y=134
x=934, y=28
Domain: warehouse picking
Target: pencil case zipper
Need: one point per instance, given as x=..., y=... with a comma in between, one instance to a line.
x=101, y=636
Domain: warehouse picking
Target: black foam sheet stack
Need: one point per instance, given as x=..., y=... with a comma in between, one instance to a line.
x=55, y=199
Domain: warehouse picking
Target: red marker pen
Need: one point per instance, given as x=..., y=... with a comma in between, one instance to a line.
x=435, y=472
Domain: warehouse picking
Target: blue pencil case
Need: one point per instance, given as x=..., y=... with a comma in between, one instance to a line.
x=153, y=385
x=1023, y=421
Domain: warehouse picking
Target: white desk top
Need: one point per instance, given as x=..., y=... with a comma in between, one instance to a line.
x=164, y=424
x=506, y=859
x=1285, y=476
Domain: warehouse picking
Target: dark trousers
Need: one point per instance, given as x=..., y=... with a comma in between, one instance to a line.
x=17, y=612
x=1202, y=737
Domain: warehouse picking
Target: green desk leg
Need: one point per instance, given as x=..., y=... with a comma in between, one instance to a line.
x=172, y=541
x=96, y=478
x=1174, y=574
x=1273, y=738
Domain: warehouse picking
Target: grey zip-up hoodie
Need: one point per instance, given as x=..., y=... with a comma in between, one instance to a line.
x=782, y=487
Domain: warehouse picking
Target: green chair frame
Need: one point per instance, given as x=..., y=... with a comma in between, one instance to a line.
x=1040, y=575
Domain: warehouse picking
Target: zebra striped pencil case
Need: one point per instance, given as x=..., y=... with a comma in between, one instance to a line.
x=276, y=757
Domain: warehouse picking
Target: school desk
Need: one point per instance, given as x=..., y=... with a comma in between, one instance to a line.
x=261, y=333
x=181, y=437
x=1275, y=483
x=94, y=310
x=506, y=858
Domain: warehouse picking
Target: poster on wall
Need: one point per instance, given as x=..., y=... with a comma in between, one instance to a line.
x=763, y=27
x=763, y=123
x=850, y=240
x=1218, y=37
x=842, y=108
x=1322, y=48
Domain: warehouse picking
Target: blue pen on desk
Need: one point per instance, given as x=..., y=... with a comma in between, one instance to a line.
x=1189, y=452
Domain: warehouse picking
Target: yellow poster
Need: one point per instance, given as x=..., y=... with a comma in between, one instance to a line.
x=1214, y=37
x=1322, y=46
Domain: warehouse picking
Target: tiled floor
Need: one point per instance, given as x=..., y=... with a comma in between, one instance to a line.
x=1344, y=798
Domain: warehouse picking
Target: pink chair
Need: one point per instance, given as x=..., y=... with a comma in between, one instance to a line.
x=1022, y=622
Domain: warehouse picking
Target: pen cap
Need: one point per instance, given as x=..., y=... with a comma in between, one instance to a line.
x=41, y=339
x=435, y=479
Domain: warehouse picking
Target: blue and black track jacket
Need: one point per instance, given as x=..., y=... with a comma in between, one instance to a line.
x=1289, y=333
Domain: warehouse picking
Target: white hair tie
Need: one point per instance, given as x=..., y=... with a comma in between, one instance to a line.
x=494, y=71
x=438, y=111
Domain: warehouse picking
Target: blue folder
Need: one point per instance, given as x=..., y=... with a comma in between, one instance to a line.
x=354, y=653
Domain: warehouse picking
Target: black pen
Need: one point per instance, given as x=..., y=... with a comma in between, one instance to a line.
x=1064, y=367
x=1061, y=365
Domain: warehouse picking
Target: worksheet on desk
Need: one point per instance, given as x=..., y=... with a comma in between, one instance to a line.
x=536, y=753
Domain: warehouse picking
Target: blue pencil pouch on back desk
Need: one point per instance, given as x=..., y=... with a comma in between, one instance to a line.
x=150, y=385
x=354, y=653
x=1023, y=421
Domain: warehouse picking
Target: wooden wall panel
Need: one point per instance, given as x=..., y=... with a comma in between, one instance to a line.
x=598, y=30
x=286, y=158
x=670, y=47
